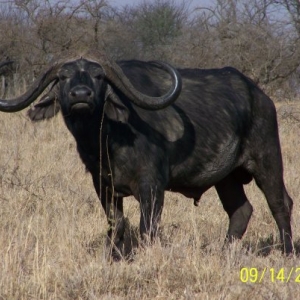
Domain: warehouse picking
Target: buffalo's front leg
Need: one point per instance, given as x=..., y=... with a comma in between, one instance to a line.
x=151, y=199
x=113, y=208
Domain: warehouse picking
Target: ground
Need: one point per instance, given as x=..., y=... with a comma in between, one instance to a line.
x=52, y=230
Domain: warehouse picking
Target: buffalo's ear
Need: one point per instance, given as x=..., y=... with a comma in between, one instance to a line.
x=46, y=108
x=115, y=109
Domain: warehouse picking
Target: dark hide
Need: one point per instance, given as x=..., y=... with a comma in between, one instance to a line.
x=222, y=131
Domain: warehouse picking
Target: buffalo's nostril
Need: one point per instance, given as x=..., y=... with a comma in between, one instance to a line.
x=72, y=93
x=81, y=93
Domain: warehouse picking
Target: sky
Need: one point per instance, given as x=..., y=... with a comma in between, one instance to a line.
x=194, y=3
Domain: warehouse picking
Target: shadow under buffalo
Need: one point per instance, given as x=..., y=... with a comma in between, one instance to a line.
x=265, y=246
x=130, y=244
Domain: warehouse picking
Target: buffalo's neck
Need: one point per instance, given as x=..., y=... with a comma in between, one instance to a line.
x=86, y=131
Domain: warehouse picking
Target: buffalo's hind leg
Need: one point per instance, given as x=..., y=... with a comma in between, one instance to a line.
x=263, y=159
x=236, y=204
x=270, y=180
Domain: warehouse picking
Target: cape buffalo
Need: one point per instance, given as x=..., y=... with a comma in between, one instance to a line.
x=221, y=131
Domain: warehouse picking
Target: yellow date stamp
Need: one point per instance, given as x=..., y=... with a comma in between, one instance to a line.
x=255, y=275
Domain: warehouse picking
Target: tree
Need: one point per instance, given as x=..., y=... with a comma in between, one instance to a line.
x=157, y=24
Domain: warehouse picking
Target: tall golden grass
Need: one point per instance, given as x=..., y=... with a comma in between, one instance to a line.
x=52, y=230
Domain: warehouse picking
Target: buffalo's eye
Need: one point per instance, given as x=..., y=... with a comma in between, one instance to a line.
x=65, y=74
x=98, y=76
x=62, y=77
x=96, y=72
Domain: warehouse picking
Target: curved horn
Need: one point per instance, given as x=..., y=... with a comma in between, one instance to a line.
x=115, y=74
x=39, y=85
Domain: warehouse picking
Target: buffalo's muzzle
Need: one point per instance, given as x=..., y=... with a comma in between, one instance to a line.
x=81, y=99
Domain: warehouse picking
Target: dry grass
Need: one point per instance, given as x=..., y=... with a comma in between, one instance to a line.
x=52, y=230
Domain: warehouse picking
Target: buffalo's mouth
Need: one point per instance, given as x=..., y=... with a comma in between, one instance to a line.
x=81, y=99
x=82, y=108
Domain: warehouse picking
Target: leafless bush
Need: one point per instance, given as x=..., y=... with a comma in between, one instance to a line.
x=259, y=37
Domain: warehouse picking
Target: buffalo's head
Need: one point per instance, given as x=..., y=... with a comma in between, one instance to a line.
x=80, y=84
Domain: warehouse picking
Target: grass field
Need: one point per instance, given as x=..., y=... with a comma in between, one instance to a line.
x=52, y=230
